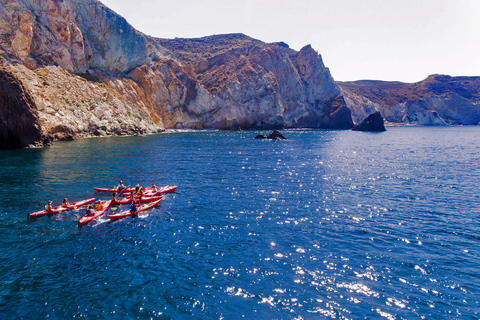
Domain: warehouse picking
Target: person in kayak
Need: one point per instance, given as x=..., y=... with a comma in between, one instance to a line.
x=114, y=196
x=49, y=207
x=120, y=186
x=65, y=203
x=98, y=205
x=138, y=191
x=89, y=211
x=133, y=208
x=154, y=187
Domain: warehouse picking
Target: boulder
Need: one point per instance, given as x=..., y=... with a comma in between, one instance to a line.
x=373, y=122
x=276, y=135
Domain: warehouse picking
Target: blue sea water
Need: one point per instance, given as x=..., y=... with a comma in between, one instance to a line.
x=324, y=225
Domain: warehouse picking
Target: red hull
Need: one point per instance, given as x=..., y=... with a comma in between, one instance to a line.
x=128, y=213
x=146, y=191
x=98, y=213
x=167, y=189
x=142, y=200
x=58, y=209
x=112, y=190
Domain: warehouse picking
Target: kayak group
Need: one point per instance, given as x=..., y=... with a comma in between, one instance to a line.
x=121, y=194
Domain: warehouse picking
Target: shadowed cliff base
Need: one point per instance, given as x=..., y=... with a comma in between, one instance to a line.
x=19, y=126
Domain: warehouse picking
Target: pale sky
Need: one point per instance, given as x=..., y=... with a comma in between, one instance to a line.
x=401, y=40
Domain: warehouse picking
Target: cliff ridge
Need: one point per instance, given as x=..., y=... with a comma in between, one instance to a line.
x=90, y=73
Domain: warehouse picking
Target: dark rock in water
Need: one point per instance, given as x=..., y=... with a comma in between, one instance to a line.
x=276, y=135
x=373, y=122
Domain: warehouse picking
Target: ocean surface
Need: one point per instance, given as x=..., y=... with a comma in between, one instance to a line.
x=324, y=225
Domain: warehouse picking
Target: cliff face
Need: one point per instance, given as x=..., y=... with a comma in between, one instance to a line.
x=19, y=124
x=259, y=85
x=437, y=100
x=75, y=35
x=89, y=72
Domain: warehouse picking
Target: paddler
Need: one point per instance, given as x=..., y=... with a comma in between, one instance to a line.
x=133, y=208
x=89, y=211
x=65, y=203
x=139, y=191
x=98, y=205
x=120, y=187
x=154, y=187
x=114, y=197
x=49, y=207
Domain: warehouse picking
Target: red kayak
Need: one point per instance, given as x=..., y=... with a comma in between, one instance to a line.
x=142, y=200
x=113, y=190
x=73, y=205
x=146, y=191
x=127, y=213
x=97, y=213
x=167, y=189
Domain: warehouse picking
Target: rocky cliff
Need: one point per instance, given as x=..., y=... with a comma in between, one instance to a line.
x=437, y=100
x=88, y=72
x=19, y=123
x=260, y=85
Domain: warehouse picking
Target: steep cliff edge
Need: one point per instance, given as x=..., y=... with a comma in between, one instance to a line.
x=19, y=123
x=261, y=85
x=89, y=73
x=74, y=35
x=437, y=100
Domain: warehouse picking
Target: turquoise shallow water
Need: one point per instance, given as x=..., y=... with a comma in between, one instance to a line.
x=325, y=225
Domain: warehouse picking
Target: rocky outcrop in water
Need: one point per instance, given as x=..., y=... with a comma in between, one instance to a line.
x=437, y=100
x=274, y=135
x=373, y=123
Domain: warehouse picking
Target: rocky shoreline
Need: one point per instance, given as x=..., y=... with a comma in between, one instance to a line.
x=75, y=69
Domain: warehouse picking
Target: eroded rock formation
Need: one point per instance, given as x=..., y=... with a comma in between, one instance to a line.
x=437, y=100
x=372, y=123
x=90, y=73
x=262, y=86
x=19, y=123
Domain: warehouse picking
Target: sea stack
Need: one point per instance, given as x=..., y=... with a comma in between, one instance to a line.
x=373, y=123
x=275, y=135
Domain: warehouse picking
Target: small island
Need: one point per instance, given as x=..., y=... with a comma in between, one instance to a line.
x=372, y=123
x=275, y=135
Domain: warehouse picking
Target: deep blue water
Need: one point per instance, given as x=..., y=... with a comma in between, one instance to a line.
x=325, y=225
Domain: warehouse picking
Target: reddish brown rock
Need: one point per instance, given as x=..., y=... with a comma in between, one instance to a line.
x=90, y=73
